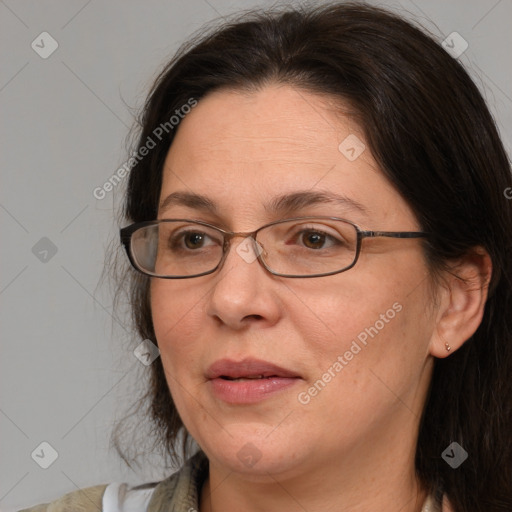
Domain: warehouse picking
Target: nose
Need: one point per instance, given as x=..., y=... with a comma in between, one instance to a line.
x=244, y=292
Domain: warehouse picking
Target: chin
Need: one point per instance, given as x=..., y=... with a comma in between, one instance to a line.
x=254, y=456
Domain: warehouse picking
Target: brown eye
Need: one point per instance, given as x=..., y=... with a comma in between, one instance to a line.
x=313, y=239
x=190, y=241
x=194, y=240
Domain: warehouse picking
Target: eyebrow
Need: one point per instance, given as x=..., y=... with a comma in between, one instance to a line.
x=289, y=203
x=195, y=201
x=282, y=205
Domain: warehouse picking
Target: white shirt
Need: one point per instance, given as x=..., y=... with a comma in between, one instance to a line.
x=120, y=497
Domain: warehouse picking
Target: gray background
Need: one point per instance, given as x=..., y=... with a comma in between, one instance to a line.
x=67, y=368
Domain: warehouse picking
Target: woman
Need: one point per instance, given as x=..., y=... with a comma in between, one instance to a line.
x=319, y=232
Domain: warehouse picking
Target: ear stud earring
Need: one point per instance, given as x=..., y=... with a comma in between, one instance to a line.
x=448, y=348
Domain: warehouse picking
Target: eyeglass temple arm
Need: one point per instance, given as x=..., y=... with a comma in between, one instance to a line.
x=393, y=234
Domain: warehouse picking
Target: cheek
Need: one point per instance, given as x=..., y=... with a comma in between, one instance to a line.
x=374, y=322
x=370, y=354
x=177, y=325
x=176, y=322
x=333, y=312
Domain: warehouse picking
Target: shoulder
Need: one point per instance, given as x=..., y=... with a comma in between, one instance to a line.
x=180, y=491
x=88, y=499
x=114, y=497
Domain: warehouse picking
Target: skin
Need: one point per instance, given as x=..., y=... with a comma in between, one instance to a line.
x=352, y=446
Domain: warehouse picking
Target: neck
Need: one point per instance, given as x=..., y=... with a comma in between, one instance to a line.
x=363, y=483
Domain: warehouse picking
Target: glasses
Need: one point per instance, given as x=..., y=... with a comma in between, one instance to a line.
x=298, y=247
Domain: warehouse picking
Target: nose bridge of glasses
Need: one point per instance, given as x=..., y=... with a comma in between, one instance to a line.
x=248, y=249
x=230, y=235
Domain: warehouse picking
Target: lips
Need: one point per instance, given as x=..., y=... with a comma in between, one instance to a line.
x=248, y=381
x=247, y=369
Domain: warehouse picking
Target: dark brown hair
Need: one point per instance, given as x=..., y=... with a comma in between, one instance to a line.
x=431, y=132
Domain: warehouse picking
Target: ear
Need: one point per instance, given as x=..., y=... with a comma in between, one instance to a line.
x=462, y=294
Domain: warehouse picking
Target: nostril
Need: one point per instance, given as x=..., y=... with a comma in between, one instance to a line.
x=253, y=317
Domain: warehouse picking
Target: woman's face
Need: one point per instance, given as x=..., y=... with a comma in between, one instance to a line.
x=352, y=349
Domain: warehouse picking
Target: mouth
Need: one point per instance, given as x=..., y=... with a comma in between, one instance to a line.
x=247, y=369
x=248, y=381
x=249, y=377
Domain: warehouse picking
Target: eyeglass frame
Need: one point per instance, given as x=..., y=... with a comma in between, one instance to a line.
x=127, y=232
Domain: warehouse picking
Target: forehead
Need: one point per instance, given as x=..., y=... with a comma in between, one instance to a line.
x=287, y=123
x=243, y=148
